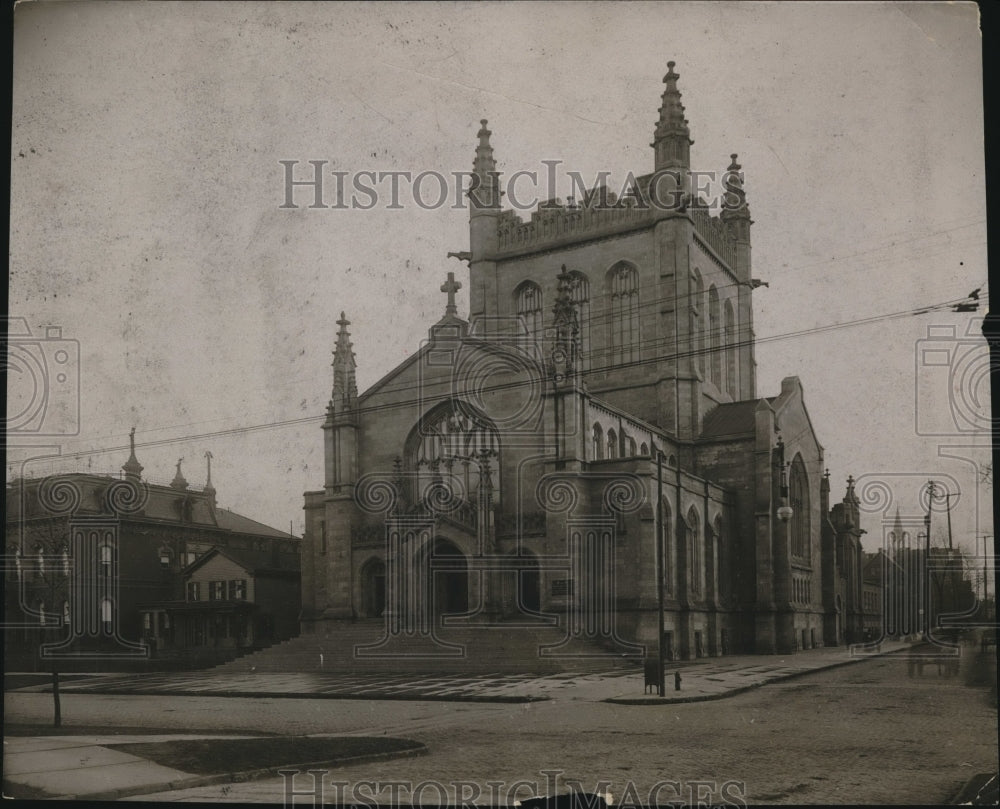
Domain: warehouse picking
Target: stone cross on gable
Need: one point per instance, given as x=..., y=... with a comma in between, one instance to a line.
x=451, y=286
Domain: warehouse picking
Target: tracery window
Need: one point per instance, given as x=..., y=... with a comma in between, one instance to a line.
x=623, y=289
x=798, y=499
x=528, y=305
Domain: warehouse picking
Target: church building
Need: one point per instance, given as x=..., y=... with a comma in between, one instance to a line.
x=590, y=441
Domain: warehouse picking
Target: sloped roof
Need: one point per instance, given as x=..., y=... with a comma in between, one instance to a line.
x=250, y=560
x=232, y=521
x=731, y=419
x=186, y=507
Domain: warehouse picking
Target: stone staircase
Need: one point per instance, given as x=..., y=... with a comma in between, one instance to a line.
x=503, y=648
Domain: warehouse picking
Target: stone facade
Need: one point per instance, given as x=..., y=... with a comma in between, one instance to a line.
x=595, y=420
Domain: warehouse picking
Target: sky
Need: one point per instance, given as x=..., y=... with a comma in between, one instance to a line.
x=146, y=218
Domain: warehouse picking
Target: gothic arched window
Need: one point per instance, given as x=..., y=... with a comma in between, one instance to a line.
x=612, y=444
x=722, y=564
x=528, y=305
x=798, y=499
x=714, y=337
x=623, y=293
x=694, y=549
x=730, y=350
x=666, y=547
x=631, y=446
x=447, y=447
x=581, y=299
x=696, y=325
x=712, y=571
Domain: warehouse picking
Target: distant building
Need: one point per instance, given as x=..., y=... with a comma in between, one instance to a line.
x=873, y=575
x=92, y=561
x=927, y=588
x=845, y=571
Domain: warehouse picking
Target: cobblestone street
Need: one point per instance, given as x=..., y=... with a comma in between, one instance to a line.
x=866, y=733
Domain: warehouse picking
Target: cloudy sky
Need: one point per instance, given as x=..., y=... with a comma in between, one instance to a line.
x=146, y=218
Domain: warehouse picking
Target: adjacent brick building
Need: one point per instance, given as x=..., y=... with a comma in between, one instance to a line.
x=96, y=570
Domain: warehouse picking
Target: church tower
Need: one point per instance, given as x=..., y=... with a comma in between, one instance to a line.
x=661, y=282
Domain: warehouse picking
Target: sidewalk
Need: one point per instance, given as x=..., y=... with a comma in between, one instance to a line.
x=82, y=766
x=706, y=678
x=70, y=766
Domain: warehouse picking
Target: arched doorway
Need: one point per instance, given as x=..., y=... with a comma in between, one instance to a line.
x=529, y=584
x=521, y=584
x=449, y=579
x=373, y=588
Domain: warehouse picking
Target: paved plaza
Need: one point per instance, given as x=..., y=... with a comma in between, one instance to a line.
x=699, y=680
x=873, y=731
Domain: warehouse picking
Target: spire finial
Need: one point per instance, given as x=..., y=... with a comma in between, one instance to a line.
x=209, y=488
x=179, y=482
x=735, y=211
x=485, y=188
x=451, y=286
x=132, y=467
x=850, y=488
x=672, y=138
x=345, y=388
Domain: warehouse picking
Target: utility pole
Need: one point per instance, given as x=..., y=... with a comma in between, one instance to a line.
x=986, y=581
x=947, y=504
x=660, y=550
x=926, y=590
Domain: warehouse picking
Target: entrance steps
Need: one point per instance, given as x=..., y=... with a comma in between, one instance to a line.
x=353, y=647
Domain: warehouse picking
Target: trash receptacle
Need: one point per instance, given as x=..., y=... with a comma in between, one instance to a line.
x=651, y=668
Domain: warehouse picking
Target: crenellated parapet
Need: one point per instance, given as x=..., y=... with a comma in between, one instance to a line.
x=554, y=221
x=713, y=231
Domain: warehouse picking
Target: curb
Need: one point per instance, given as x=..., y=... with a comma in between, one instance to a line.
x=744, y=688
x=303, y=695
x=237, y=777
